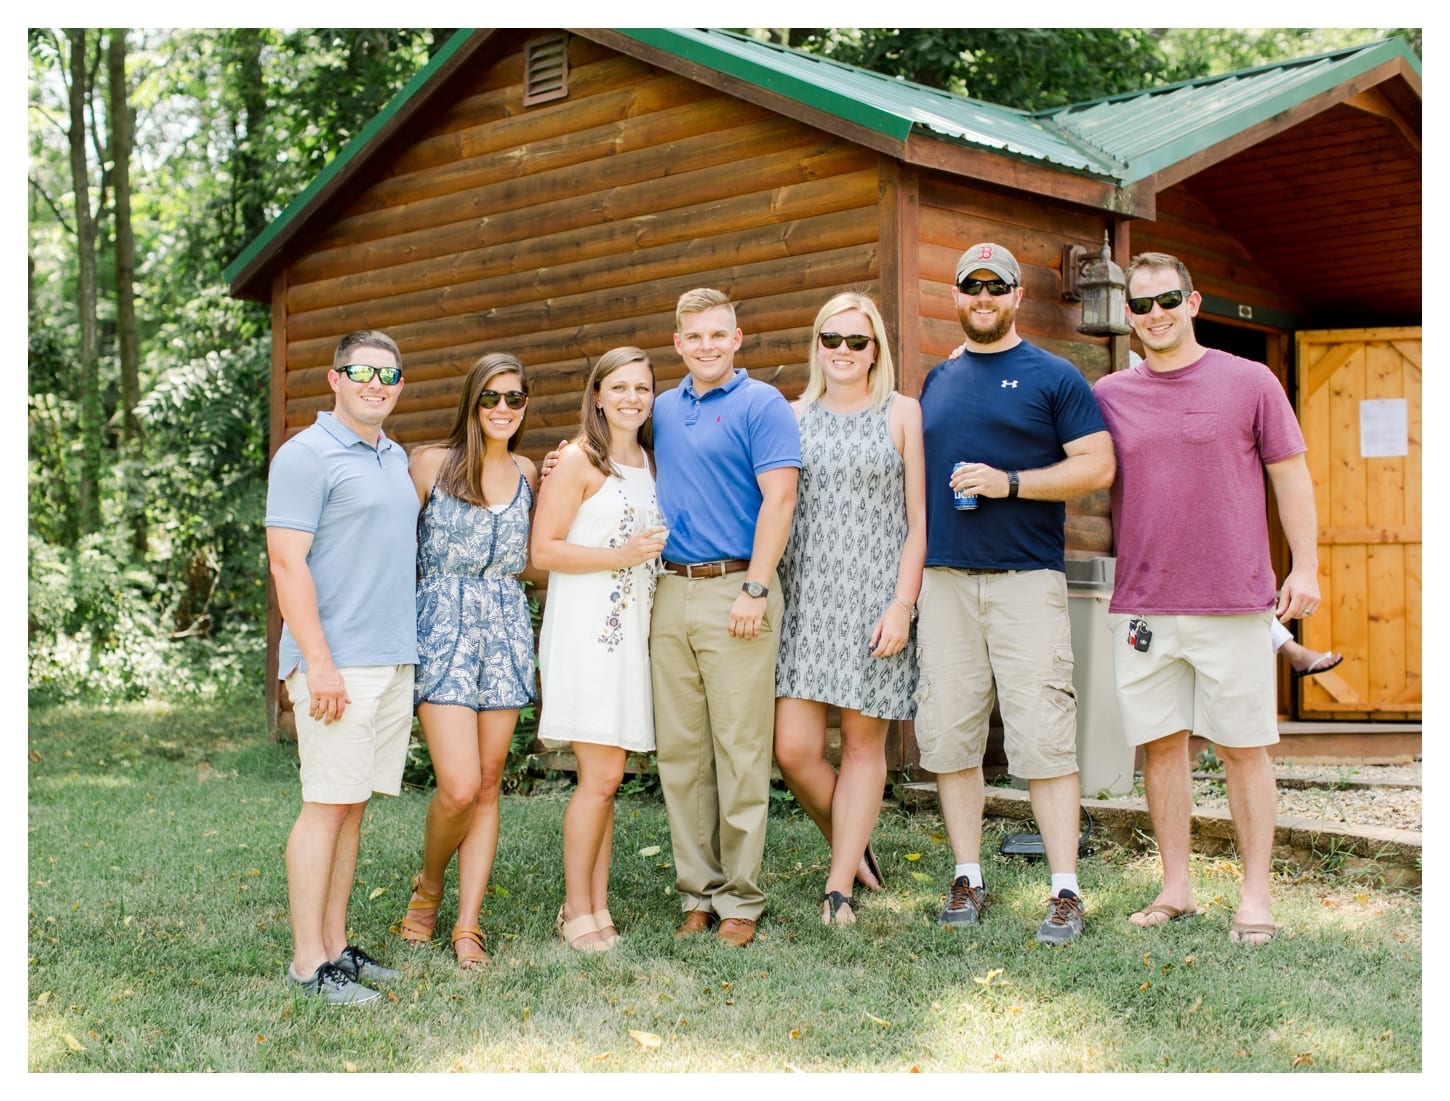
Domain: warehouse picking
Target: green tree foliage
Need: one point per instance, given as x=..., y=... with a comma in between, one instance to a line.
x=1036, y=68
x=1026, y=67
x=229, y=126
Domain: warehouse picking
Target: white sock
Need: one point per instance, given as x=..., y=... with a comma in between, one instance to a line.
x=973, y=872
x=1065, y=881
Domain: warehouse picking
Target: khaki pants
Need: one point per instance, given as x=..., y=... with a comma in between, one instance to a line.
x=714, y=699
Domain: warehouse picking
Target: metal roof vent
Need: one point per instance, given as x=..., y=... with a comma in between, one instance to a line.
x=546, y=69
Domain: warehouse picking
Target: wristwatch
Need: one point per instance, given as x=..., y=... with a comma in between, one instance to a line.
x=1012, y=483
x=754, y=589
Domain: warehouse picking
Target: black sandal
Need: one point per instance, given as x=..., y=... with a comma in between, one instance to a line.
x=835, y=900
x=874, y=868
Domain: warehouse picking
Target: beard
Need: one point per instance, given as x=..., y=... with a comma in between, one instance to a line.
x=996, y=330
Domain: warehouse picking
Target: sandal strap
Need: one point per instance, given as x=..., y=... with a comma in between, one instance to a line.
x=466, y=932
x=577, y=927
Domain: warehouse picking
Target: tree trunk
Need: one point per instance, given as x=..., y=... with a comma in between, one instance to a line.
x=92, y=415
x=122, y=136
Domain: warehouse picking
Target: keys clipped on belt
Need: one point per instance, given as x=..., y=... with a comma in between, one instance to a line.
x=1139, y=636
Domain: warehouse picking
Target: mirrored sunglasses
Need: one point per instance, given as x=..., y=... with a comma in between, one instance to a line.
x=363, y=372
x=1169, y=300
x=514, y=399
x=995, y=287
x=856, y=342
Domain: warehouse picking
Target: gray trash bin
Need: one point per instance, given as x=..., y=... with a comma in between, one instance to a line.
x=1105, y=760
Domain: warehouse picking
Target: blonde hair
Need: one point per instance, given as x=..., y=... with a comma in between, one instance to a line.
x=593, y=438
x=700, y=300
x=882, y=376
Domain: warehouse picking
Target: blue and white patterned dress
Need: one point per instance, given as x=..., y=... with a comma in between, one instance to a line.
x=594, y=644
x=838, y=573
x=475, y=643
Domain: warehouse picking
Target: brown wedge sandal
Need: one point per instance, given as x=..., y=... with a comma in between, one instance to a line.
x=467, y=943
x=417, y=925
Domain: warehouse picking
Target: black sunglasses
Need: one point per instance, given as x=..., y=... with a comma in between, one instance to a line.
x=514, y=399
x=855, y=342
x=995, y=287
x=363, y=372
x=1169, y=300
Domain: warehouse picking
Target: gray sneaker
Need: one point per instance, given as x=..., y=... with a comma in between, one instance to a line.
x=330, y=983
x=361, y=967
x=965, y=903
x=1064, y=921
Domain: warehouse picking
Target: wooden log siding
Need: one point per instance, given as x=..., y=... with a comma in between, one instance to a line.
x=509, y=261
x=658, y=197
x=644, y=189
x=1219, y=262
x=603, y=271
x=579, y=325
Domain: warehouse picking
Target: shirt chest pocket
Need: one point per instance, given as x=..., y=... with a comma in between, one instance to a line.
x=1199, y=425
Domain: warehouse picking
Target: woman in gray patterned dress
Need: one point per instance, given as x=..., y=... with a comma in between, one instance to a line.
x=475, y=643
x=850, y=577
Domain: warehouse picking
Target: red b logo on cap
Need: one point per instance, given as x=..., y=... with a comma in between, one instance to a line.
x=986, y=253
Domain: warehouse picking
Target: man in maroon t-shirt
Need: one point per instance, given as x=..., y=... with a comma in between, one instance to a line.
x=1194, y=598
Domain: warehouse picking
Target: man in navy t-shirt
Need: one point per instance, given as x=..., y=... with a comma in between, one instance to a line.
x=994, y=622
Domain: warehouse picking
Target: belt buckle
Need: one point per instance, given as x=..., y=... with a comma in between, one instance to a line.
x=707, y=569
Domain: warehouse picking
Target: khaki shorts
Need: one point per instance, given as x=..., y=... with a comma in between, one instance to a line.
x=996, y=636
x=347, y=760
x=1211, y=674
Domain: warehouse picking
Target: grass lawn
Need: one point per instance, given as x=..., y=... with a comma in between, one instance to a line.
x=158, y=938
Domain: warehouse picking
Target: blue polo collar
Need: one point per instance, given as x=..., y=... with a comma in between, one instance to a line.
x=737, y=377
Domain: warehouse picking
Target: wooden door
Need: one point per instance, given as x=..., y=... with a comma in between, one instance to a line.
x=1359, y=397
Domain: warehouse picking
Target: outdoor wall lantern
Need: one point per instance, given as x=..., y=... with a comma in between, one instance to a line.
x=1099, y=285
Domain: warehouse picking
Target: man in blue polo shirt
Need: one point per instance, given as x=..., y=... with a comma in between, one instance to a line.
x=341, y=537
x=993, y=621
x=727, y=452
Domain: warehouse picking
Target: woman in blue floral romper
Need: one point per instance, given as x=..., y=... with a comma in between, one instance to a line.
x=475, y=643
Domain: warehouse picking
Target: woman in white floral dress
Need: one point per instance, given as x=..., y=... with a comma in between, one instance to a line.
x=475, y=643
x=598, y=533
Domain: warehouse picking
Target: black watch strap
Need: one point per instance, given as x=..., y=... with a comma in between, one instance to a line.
x=1012, y=483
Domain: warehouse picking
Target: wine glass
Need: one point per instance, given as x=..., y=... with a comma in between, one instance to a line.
x=651, y=517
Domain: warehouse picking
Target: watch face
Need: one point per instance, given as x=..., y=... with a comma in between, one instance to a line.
x=754, y=589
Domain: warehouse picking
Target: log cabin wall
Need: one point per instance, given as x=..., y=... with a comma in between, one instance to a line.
x=954, y=217
x=1221, y=265
x=558, y=231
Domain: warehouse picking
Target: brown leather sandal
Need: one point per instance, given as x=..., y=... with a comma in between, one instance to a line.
x=417, y=925
x=467, y=941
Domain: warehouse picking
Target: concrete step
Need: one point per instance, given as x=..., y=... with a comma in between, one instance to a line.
x=1394, y=855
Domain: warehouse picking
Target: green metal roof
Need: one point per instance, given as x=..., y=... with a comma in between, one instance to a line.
x=1150, y=130
x=1121, y=139
x=888, y=105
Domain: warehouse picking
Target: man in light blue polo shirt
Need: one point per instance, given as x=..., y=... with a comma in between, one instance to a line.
x=341, y=538
x=727, y=452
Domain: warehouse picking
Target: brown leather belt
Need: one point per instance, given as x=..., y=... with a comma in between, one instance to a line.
x=708, y=569
x=971, y=569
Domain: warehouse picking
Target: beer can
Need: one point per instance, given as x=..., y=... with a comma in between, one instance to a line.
x=963, y=501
